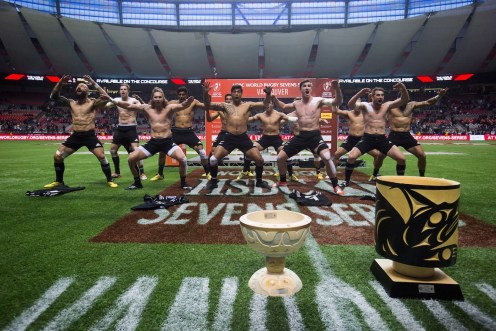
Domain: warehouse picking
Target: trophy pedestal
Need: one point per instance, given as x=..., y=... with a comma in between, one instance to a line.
x=439, y=286
x=281, y=284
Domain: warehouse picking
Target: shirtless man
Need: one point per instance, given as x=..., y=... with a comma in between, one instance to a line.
x=160, y=114
x=307, y=110
x=83, y=112
x=126, y=133
x=316, y=158
x=356, y=125
x=374, y=137
x=183, y=133
x=221, y=115
x=237, y=114
x=400, y=120
x=272, y=121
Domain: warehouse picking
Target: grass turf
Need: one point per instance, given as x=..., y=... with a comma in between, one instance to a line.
x=44, y=239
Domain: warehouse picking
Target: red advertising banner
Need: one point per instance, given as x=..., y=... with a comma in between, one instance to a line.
x=281, y=88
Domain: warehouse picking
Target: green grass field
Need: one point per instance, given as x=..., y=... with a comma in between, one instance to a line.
x=52, y=277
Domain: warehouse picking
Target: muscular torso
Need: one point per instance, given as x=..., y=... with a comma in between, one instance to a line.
x=271, y=123
x=160, y=121
x=375, y=119
x=400, y=120
x=126, y=116
x=237, y=117
x=184, y=118
x=356, y=122
x=308, y=114
x=83, y=115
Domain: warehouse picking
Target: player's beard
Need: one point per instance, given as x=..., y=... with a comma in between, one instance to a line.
x=81, y=95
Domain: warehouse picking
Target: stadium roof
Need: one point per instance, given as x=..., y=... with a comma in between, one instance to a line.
x=249, y=39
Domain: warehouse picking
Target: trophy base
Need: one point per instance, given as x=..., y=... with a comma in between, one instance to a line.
x=439, y=286
x=275, y=284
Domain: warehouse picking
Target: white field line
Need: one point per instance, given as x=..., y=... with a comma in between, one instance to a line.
x=398, y=308
x=477, y=315
x=295, y=319
x=29, y=315
x=341, y=295
x=190, y=307
x=443, y=316
x=335, y=297
x=487, y=290
x=258, y=313
x=134, y=300
x=67, y=316
x=223, y=315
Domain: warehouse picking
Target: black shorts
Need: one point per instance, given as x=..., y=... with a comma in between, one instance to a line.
x=155, y=145
x=125, y=135
x=266, y=141
x=374, y=141
x=403, y=139
x=311, y=140
x=185, y=136
x=83, y=138
x=219, y=138
x=239, y=141
x=350, y=142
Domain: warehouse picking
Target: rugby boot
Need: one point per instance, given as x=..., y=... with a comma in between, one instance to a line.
x=53, y=184
x=338, y=190
x=279, y=184
x=116, y=175
x=262, y=184
x=112, y=184
x=212, y=184
x=135, y=186
x=320, y=176
x=293, y=178
x=156, y=177
x=143, y=176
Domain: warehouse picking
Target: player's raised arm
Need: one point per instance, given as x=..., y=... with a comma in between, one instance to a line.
x=338, y=96
x=254, y=106
x=55, y=95
x=355, y=100
x=404, y=96
x=285, y=107
x=428, y=102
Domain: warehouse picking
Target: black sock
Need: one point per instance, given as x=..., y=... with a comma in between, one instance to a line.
x=290, y=169
x=137, y=181
x=161, y=170
x=246, y=165
x=422, y=173
x=400, y=169
x=258, y=172
x=183, y=180
x=59, y=171
x=334, y=181
x=282, y=178
x=317, y=171
x=206, y=168
x=376, y=172
x=117, y=167
x=141, y=169
x=213, y=171
x=348, y=171
x=106, y=170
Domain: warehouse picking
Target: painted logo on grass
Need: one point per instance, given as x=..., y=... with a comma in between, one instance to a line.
x=213, y=217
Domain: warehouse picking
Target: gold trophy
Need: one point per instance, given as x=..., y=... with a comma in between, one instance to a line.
x=275, y=234
x=416, y=229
